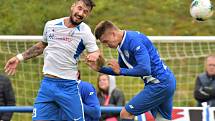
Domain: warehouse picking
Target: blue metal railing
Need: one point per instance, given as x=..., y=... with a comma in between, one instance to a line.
x=29, y=109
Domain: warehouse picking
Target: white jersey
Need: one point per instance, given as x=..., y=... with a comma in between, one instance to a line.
x=64, y=47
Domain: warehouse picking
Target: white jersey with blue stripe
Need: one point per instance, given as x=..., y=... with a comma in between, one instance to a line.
x=64, y=47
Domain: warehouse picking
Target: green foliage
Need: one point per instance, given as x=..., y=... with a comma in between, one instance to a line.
x=153, y=17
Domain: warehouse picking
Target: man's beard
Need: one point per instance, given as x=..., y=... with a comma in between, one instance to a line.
x=73, y=22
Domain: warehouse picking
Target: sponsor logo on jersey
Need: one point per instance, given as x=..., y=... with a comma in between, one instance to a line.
x=91, y=93
x=53, y=35
x=131, y=106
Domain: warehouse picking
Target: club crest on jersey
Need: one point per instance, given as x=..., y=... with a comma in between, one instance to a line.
x=137, y=48
x=126, y=53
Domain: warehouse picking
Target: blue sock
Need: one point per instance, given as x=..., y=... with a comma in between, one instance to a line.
x=127, y=119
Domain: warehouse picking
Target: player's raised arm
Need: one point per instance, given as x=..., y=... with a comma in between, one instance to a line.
x=35, y=50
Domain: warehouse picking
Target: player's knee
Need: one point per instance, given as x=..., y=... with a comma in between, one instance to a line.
x=125, y=114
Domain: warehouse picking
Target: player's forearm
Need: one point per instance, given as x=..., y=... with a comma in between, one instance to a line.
x=34, y=51
x=137, y=71
x=93, y=112
x=107, y=70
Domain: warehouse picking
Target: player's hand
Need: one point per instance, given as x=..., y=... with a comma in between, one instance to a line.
x=10, y=67
x=96, y=65
x=114, y=65
x=92, y=65
x=92, y=56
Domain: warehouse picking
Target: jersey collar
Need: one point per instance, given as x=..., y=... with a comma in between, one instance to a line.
x=123, y=39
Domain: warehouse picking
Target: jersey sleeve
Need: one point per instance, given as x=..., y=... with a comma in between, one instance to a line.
x=45, y=33
x=90, y=100
x=90, y=42
x=107, y=70
x=142, y=58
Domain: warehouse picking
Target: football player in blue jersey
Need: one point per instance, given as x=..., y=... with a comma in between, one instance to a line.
x=90, y=100
x=138, y=57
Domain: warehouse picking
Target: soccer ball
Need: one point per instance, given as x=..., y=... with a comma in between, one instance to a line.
x=201, y=10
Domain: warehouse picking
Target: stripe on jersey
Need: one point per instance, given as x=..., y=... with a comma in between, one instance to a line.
x=123, y=58
x=61, y=23
x=80, y=49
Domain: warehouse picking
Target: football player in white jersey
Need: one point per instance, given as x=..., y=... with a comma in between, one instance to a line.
x=64, y=40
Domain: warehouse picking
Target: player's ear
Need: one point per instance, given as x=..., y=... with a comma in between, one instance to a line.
x=114, y=33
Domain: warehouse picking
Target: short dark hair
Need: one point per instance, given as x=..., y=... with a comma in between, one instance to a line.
x=101, y=27
x=89, y=3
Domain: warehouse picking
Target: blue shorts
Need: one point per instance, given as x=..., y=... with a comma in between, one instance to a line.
x=55, y=96
x=156, y=97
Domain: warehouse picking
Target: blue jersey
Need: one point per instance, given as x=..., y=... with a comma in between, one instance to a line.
x=90, y=101
x=138, y=57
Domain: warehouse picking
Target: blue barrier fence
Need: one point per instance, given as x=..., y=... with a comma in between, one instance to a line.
x=29, y=109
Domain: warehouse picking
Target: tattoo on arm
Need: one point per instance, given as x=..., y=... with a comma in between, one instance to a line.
x=35, y=50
